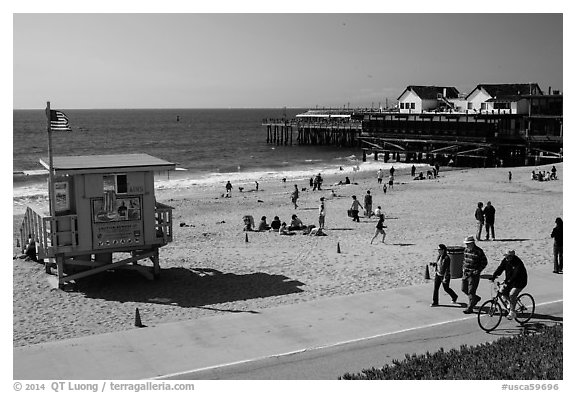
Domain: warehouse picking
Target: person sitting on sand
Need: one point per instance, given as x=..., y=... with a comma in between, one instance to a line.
x=285, y=231
x=275, y=224
x=263, y=226
x=30, y=251
x=248, y=223
x=296, y=223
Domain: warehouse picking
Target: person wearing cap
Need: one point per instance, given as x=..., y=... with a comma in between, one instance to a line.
x=516, y=279
x=474, y=262
x=442, y=275
x=321, y=213
x=479, y=215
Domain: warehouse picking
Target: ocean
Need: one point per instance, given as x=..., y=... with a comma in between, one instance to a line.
x=207, y=146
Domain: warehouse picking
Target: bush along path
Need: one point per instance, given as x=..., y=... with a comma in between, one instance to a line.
x=535, y=356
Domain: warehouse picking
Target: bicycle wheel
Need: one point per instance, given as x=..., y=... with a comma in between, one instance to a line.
x=524, y=308
x=489, y=315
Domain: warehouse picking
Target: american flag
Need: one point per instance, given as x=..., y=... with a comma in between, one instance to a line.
x=59, y=121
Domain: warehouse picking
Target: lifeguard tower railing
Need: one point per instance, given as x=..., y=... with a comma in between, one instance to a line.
x=51, y=240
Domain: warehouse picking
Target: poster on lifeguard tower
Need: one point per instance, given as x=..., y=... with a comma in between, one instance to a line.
x=62, y=196
x=116, y=221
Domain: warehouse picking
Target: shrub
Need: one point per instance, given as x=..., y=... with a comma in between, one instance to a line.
x=526, y=356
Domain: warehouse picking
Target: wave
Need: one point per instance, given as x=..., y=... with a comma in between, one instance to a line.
x=184, y=179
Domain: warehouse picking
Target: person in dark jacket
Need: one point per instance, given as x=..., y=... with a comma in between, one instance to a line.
x=557, y=235
x=442, y=275
x=474, y=262
x=479, y=215
x=516, y=279
x=489, y=217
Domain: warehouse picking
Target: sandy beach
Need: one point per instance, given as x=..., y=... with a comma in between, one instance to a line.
x=210, y=269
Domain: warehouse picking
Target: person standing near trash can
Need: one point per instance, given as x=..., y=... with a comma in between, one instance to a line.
x=489, y=216
x=474, y=262
x=479, y=215
x=442, y=275
x=558, y=254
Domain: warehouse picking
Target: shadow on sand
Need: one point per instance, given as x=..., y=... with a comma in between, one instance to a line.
x=177, y=286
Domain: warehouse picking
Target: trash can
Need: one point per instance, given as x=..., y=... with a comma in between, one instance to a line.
x=456, y=260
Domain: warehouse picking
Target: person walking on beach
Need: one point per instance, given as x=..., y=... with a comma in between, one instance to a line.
x=294, y=196
x=392, y=170
x=379, y=229
x=321, y=214
x=391, y=181
x=442, y=275
x=380, y=175
x=413, y=171
x=368, y=204
x=474, y=262
x=228, y=189
x=355, y=207
x=553, y=170
x=479, y=215
x=509, y=176
x=558, y=254
x=489, y=217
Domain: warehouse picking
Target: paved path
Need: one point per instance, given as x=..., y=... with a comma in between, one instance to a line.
x=174, y=349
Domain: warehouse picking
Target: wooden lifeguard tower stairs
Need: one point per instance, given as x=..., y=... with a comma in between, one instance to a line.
x=106, y=216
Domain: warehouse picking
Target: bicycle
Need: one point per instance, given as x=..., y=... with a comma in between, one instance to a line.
x=491, y=311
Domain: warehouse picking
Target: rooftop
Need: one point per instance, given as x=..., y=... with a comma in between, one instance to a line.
x=103, y=163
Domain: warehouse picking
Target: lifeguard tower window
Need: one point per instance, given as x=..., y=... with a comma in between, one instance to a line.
x=116, y=183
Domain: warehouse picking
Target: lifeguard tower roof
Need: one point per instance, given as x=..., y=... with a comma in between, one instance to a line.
x=103, y=163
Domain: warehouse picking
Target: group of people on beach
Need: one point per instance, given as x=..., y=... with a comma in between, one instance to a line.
x=545, y=175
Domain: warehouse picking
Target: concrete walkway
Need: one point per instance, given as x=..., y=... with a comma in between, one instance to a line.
x=175, y=348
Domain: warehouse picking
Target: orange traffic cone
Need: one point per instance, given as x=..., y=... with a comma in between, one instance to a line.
x=427, y=274
x=246, y=238
x=338, y=248
x=138, y=321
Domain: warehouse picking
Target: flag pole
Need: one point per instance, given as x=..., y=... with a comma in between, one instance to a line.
x=50, y=164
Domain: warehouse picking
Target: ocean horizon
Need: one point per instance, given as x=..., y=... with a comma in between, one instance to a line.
x=208, y=146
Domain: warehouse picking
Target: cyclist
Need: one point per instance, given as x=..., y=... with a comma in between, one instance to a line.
x=516, y=279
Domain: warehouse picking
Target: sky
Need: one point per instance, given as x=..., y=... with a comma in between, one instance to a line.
x=272, y=60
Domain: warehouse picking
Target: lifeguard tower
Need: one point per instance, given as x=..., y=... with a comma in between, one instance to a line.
x=101, y=206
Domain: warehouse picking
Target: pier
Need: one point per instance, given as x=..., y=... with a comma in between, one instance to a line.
x=324, y=128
